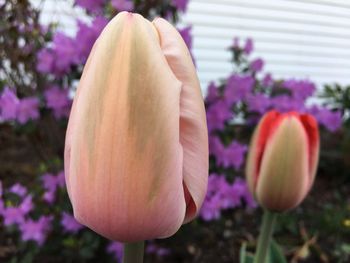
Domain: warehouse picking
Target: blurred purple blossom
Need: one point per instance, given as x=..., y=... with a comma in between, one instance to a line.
x=122, y=5
x=258, y=103
x=92, y=6
x=331, y=120
x=217, y=114
x=237, y=88
x=284, y=103
x=212, y=94
x=300, y=89
x=8, y=105
x=57, y=100
x=45, y=60
x=223, y=195
x=248, y=47
x=65, y=53
x=13, y=215
x=231, y=156
x=116, y=248
x=69, y=224
x=267, y=80
x=87, y=35
x=27, y=204
x=181, y=4
x=50, y=183
x=28, y=109
x=18, y=189
x=36, y=230
x=256, y=65
x=152, y=248
x=186, y=35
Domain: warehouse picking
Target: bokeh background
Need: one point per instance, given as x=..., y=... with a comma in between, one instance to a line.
x=251, y=57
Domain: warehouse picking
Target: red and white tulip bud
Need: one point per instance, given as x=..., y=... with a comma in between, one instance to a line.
x=282, y=159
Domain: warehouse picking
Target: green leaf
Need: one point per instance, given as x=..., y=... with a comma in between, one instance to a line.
x=276, y=255
x=244, y=257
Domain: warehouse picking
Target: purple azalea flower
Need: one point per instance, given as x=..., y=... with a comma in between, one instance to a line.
x=66, y=53
x=27, y=204
x=16, y=215
x=217, y=114
x=240, y=186
x=1, y=189
x=232, y=156
x=212, y=94
x=49, y=196
x=248, y=47
x=157, y=250
x=237, y=88
x=12, y=215
x=267, y=80
x=122, y=5
x=49, y=181
x=222, y=195
x=256, y=65
x=300, y=89
x=92, y=6
x=28, y=109
x=45, y=60
x=36, y=230
x=285, y=103
x=2, y=206
x=186, y=35
x=87, y=35
x=61, y=180
x=258, y=103
x=18, y=189
x=211, y=208
x=69, y=223
x=181, y=4
x=331, y=120
x=8, y=105
x=57, y=100
x=116, y=249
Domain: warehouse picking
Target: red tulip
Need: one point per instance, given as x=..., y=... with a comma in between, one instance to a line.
x=136, y=154
x=282, y=159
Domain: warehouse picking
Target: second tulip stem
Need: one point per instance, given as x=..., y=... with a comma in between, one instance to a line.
x=265, y=236
x=133, y=252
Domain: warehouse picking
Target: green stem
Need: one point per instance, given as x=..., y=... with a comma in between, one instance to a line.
x=133, y=252
x=265, y=236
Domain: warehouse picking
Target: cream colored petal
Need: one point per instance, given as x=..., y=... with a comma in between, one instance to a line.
x=193, y=128
x=283, y=178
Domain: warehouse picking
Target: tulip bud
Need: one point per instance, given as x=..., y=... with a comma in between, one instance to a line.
x=282, y=159
x=136, y=153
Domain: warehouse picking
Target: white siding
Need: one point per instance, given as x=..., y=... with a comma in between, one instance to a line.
x=296, y=38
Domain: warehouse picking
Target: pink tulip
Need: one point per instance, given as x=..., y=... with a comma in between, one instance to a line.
x=136, y=155
x=282, y=159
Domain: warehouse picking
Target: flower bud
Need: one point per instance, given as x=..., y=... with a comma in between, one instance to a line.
x=136, y=153
x=282, y=159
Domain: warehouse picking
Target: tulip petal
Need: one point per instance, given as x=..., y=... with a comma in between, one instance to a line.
x=264, y=130
x=124, y=159
x=311, y=128
x=284, y=166
x=193, y=128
